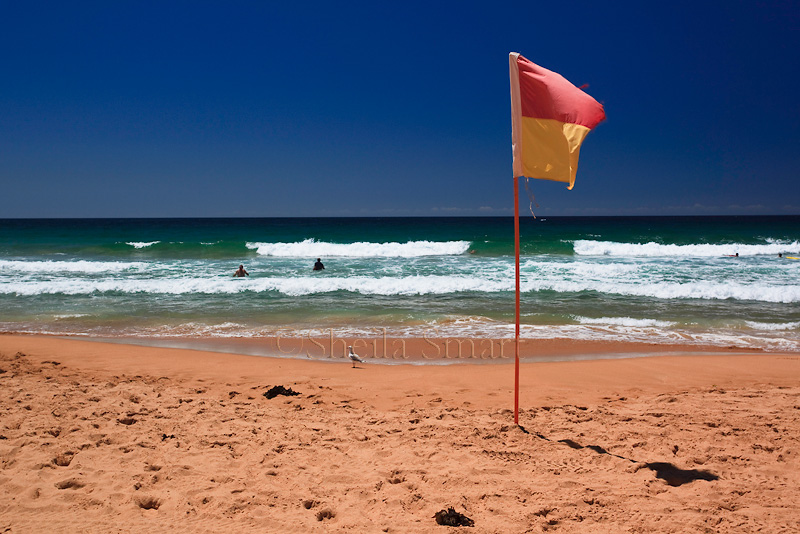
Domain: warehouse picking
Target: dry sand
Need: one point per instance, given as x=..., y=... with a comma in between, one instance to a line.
x=96, y=437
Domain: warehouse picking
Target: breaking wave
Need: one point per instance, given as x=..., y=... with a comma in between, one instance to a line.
x=309, y=248
x=624, y=321
x=774, y=327
x=142, y=244
x=80, y=266
x=584, y=247
x=408, y=285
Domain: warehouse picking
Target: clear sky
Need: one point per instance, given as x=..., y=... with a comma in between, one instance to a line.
x=191, y=109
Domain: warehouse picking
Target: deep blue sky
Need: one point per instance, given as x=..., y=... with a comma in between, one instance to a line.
x=139, y=109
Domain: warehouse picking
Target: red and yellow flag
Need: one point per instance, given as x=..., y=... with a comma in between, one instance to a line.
x=550, y=118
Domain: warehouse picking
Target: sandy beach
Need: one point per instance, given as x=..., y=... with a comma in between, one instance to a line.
x=99, y=437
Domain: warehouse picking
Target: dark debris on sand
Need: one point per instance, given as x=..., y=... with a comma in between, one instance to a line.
x=279, y=390
x=451, y=518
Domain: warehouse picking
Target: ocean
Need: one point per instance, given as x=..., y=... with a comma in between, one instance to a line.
x=651, y=279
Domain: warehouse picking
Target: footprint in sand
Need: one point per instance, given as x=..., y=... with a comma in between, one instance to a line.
x=63, y=460
x=327, y=513
x=70, y=483
x=148, y=503
x=396, y=477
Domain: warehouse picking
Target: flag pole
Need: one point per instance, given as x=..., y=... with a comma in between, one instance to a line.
x=538, y=94
x=516, y=300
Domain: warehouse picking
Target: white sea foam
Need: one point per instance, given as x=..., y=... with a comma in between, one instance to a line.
x=477, y=329
x=623, y=321
x=412, y=285
x=80, y=266
x=408, y=285
x=659, y=335
x=142, y=244
x=773, y=327
x=583, y=247
x=226, y=329
x=311, y=248
x=673, y=290
x=622, y=271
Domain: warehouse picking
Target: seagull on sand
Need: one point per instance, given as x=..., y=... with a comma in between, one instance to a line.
x=354, y=357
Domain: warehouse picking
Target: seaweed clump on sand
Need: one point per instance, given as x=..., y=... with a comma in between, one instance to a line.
x=279, y=390
x=451, y=518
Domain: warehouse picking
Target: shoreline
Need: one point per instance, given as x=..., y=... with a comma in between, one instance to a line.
x=419, y=351
x=477, y=342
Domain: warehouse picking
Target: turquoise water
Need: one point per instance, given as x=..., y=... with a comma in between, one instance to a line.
x=659, y=280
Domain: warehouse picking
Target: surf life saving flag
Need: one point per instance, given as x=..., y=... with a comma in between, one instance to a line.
x=550, y=118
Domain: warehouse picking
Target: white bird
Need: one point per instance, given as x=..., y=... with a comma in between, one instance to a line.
x=354, y=357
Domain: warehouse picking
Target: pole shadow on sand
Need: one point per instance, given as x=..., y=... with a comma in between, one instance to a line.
x=670, y=473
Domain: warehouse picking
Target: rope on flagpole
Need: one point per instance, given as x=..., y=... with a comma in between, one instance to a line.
x=531, y=197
